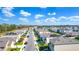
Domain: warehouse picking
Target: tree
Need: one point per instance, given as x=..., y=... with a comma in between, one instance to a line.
x=7, y=27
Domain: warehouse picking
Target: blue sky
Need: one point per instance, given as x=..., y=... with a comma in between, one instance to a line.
x=40, y=15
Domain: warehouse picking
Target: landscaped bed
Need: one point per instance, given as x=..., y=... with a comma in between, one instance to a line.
x=42, y=46
x=56, y=33
x=77, y=37
x=23, y=36
x=19, y=43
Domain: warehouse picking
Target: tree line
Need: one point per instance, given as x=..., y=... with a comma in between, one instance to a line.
x=7, y=27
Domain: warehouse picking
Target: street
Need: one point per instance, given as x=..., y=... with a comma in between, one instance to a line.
x=30, y=43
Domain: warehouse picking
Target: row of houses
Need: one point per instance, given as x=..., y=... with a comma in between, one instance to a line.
x=60, y=41
x=67, y=29
x=10, y=39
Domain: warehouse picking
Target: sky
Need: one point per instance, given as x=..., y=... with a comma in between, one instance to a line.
x=40, y=15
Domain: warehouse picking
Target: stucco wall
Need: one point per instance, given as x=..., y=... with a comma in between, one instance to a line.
x=70, y=47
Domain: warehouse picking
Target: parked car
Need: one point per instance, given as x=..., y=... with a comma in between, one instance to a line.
x=11, y=33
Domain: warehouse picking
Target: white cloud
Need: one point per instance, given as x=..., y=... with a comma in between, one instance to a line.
x=9, y=14
x=43, y=7
x=5, y=19
x=46, y=21
x=53, y=20
x=7, y=8
x=24, y=13
x=74, y=18
x=38, y=16
x=38, y=21
x=23, y=19
x=50, y=20
x=61, y=18
x=71, y=18
x=0, y=7
x=7, y=11
x=53, y=13
x=0, y=18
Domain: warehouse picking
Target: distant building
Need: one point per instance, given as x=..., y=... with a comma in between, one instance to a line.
x=65, y=28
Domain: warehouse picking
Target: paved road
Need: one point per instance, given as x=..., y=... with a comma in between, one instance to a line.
x=30, y=43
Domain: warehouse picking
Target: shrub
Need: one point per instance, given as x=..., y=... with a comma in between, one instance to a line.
x=21, y=40
x=77, y=37
x=42, y=46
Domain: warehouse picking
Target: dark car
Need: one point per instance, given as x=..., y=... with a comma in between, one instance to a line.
x=25, y=43
x=11, y=33
x=27, y=36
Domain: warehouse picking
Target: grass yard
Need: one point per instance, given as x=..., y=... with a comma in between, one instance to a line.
x=19, y=43
x=13, y=49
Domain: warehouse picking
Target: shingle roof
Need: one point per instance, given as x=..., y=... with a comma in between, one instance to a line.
x=4, y=40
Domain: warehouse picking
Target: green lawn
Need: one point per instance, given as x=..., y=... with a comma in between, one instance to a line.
x=19, y=43
x=13, y=49
x=56, y=33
